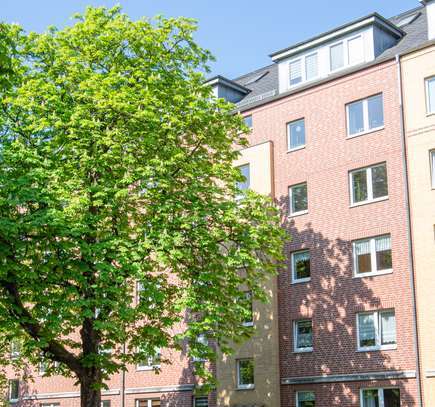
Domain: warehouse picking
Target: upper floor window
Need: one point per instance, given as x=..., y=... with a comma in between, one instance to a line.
x=249, y=321
x=151, y=361
x=432, y=165
x=303, y=336
x=355, y=50
x=147, y=403
x=372, y=256
x=248, y=121
x=305, y=399
x=369, y=184
x=15, y=348
x=296, y=134
x=245, y=373
x=300, y=265
x=245, y=171
x=336, y=53
x=14, y=389
x=202, y=340
x=430, y=94
x=303, y=69
x=380, y=398
x=365, y=115
x=298, y=199
x=376, y=330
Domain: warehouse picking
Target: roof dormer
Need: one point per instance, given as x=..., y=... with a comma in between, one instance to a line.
x=350, y=45
x=227, y=89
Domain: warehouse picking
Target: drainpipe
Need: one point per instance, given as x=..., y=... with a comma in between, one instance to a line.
x=123, y=381
x=409, y=235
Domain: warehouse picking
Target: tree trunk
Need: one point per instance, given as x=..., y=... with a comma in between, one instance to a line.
x=90, y=393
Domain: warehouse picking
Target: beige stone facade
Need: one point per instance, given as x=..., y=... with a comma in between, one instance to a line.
x=417, y=68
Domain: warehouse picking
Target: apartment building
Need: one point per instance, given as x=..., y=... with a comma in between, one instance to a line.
x=328, y=144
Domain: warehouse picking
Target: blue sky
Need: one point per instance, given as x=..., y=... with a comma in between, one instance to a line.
x=240, y=33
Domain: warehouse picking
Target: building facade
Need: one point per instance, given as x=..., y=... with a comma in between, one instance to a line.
x=343, y=139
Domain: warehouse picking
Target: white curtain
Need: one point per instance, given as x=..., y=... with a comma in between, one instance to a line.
x=388, y=327
x=367, y=329
x=295, y=72
x=311, y=67
x=383, y=243
x=362, y=247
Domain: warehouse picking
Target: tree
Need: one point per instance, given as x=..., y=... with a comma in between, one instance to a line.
x=116, y=169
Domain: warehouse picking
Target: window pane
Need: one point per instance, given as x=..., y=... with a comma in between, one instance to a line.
x=359, y=186
x=250, y=317
x=295, y=72
x=432, y=160
x=304, y=334
x=367, y=332
x=391, y=398
x=301, y=265
x=14, y=389
x=299, y=200
x=201, y=401
x=383, y=253
x=376, y=111
x=355, y=117
x=306, y=399
x=246, y=372
x=388, y=328
x=296, y=134
x=337, y=56
x=311, y=67
x=370, y=398
x=248, y=121
x=363, y=256
x=431, y=95
x=243, y=185
x=379, y=181
x=105, y=403
x=355, y=50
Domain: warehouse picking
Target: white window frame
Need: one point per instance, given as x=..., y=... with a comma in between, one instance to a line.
x=366, y=120
x=380, y=394
x=290, y=195
x=296, y=280
x=344, y=56
x=103, y=402
x=244, y=386
x=369, y=177
x=432, y=167
x=295, y=337
x=377, y=315
x=149, y=366
x=303, y=62
x=250, y=323
x=346, y=62
x=149, y=402
x=304, y=391
x=428, y=106
x=373, y=259
x=51, y=405
x=201, y=338
x=289, y=148
x=10, y=390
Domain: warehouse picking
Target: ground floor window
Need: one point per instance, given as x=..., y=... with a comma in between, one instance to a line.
x=201, y=401
x=380, y=398
x=148, y=403
x=49, y=404
x=105, y=403
x=305, y=399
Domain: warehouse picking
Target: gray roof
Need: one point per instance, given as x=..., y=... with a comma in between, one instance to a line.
x=263, y=82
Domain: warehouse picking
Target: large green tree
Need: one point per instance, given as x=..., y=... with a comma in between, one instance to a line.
x=116, y=169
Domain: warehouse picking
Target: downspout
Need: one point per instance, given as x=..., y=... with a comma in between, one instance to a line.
x=409, y=235
x=123, y=381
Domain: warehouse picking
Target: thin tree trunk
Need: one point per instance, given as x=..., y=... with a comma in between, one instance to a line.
x=90, y=396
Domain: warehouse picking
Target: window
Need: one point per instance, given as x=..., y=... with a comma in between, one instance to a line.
x=53, y=405
x=151, y=362
x=376, y=330
x=15, y=348
x=250, y=319
x=295, y=72
x=300, y=265
x=372, y=256
x=430, y=94
x=202, y=340
x=147, y=403
x=432, y=165
x=201, y=401
x=305, y=399
x=380, y=398
x=105, y=403
x=14, y=389
x=244, y=170
x=311, y=67
x=369, y=184
x=337, y=56
x=355, y=50
x=248, y=121
x=245, y=373
x=365, y=115
x=296, y=134
x=303, y=336
x=298, y=199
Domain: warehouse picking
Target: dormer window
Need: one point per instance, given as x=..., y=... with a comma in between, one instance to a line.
x=355, y=48
x=336, y=56
x=304, y=69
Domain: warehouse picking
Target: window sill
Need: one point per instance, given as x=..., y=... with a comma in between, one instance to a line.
x=378, y=348
x=296, y=214
x=373, y=274
x=291, y=150
x=246, y=387
x=306, y=350
x=354, y=205
x=428, y=114
x=363, y=133
x=301, y=281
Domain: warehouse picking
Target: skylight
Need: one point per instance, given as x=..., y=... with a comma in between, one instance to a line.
x=407, y=20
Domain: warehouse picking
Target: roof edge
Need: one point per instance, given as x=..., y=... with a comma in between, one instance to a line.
x=219, y=79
